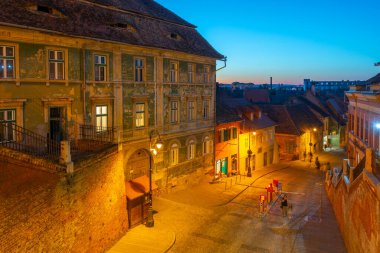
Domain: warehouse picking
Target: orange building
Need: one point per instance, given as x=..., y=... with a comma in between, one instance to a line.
x=227, y=131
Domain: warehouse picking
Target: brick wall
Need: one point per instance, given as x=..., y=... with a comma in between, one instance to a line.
x=357, y=209
x=41, y=211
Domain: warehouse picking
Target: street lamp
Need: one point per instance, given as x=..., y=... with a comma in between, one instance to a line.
x=153, y=148
x=249, y=174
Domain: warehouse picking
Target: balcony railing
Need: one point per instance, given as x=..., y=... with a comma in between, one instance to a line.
x=376, y=167
x=92, y=138
x=18, y=138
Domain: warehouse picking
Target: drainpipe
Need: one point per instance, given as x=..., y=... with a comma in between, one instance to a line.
x=84, y=85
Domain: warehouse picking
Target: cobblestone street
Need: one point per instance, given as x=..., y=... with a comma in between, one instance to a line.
x=225, y=218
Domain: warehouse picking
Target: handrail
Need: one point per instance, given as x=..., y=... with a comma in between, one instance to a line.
x=18, y=138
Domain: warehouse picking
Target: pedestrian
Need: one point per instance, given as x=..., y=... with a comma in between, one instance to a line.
x=290, y=210
x=304, y=155
x=284, y=206
x=317, y=163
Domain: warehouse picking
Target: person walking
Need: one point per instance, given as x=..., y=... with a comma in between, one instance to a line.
x=317, y=163
x=284, y=206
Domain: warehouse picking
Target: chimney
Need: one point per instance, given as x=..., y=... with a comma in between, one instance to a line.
x=270, y=82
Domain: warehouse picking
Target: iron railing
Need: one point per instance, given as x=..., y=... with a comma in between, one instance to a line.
x=92, y=138
x=18, y=138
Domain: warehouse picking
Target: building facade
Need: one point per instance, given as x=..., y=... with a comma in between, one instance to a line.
x=138, y=73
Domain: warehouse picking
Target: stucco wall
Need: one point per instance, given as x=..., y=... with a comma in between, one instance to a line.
x=357, y=209
x=42, y=211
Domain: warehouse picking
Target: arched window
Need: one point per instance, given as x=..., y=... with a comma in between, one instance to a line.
x=174, y=154
x=207, y=145
x=191, y=148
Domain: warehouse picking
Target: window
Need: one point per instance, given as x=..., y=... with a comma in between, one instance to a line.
x=206, y=74
x=56, y=65
x=206, y=109
x=174, y=154
x=7, y=62
x=140, y=114
x=191, y=110
x=7, y=118
x=191, y=150
x=207, y=146
x=139, y=69
x=101, y=115
x=289, y=147
x=100, y=67
x=234, y=133
x=173, y=72
x=226, y=134
x=190, y=72
x=174, y=112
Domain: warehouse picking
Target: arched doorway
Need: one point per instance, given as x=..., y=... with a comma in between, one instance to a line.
x=136, y=172
x=137, y=165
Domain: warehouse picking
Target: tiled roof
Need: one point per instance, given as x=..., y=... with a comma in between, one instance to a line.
x=280, y=115
x=136, y=22
x=225, y=114
x=374, y=80
x=303, y=117
x=256, y=124
x=257, y=95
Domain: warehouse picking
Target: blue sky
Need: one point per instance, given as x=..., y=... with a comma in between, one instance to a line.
x=288, y=40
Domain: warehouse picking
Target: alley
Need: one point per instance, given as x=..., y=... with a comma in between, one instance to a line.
x=208, y=218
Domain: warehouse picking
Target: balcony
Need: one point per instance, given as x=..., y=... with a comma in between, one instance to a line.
x=357, y=142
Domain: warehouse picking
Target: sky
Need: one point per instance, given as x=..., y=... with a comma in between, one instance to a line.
x=288, y=40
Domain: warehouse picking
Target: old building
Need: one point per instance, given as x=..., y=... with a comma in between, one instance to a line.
x=88, y=72
x=227, y=131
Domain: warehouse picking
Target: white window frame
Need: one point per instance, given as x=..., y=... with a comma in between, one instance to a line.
x=174, y=153
x=101, y=117
x=190, y=72
x=191, y=149
x=207, y=146
x=100, y=65
x=140, y=115
x=206, y=74
x=55, y=64
x=174, y=111
x=5, y=60
x=173, y=72
x=139, y=69
x=191, y=110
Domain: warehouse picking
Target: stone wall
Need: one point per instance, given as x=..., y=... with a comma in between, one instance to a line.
x=357, y=209
x=42, y=211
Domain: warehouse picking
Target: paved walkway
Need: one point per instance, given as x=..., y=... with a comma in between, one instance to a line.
x=142, y=239
x=197, y=216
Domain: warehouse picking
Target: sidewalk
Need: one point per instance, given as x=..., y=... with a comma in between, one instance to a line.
x=142, y=239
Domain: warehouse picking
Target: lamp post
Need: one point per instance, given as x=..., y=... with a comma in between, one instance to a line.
x=152, y=151
x=249, y=173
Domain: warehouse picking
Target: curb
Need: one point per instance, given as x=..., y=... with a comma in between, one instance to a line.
x=172, y=243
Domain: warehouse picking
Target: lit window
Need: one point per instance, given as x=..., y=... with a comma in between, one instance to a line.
x=206, y=109
x=101, y=115
x=191, y=110
x=56, y=65
x=139, y=70
x=173, y=72
x=207, y=146
x=140, y=114
x=190, y=72
x=7, y=120
x=100, y=67
x=7, y=59
x=174, y=154
x=174, y=112
x=191, y=150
